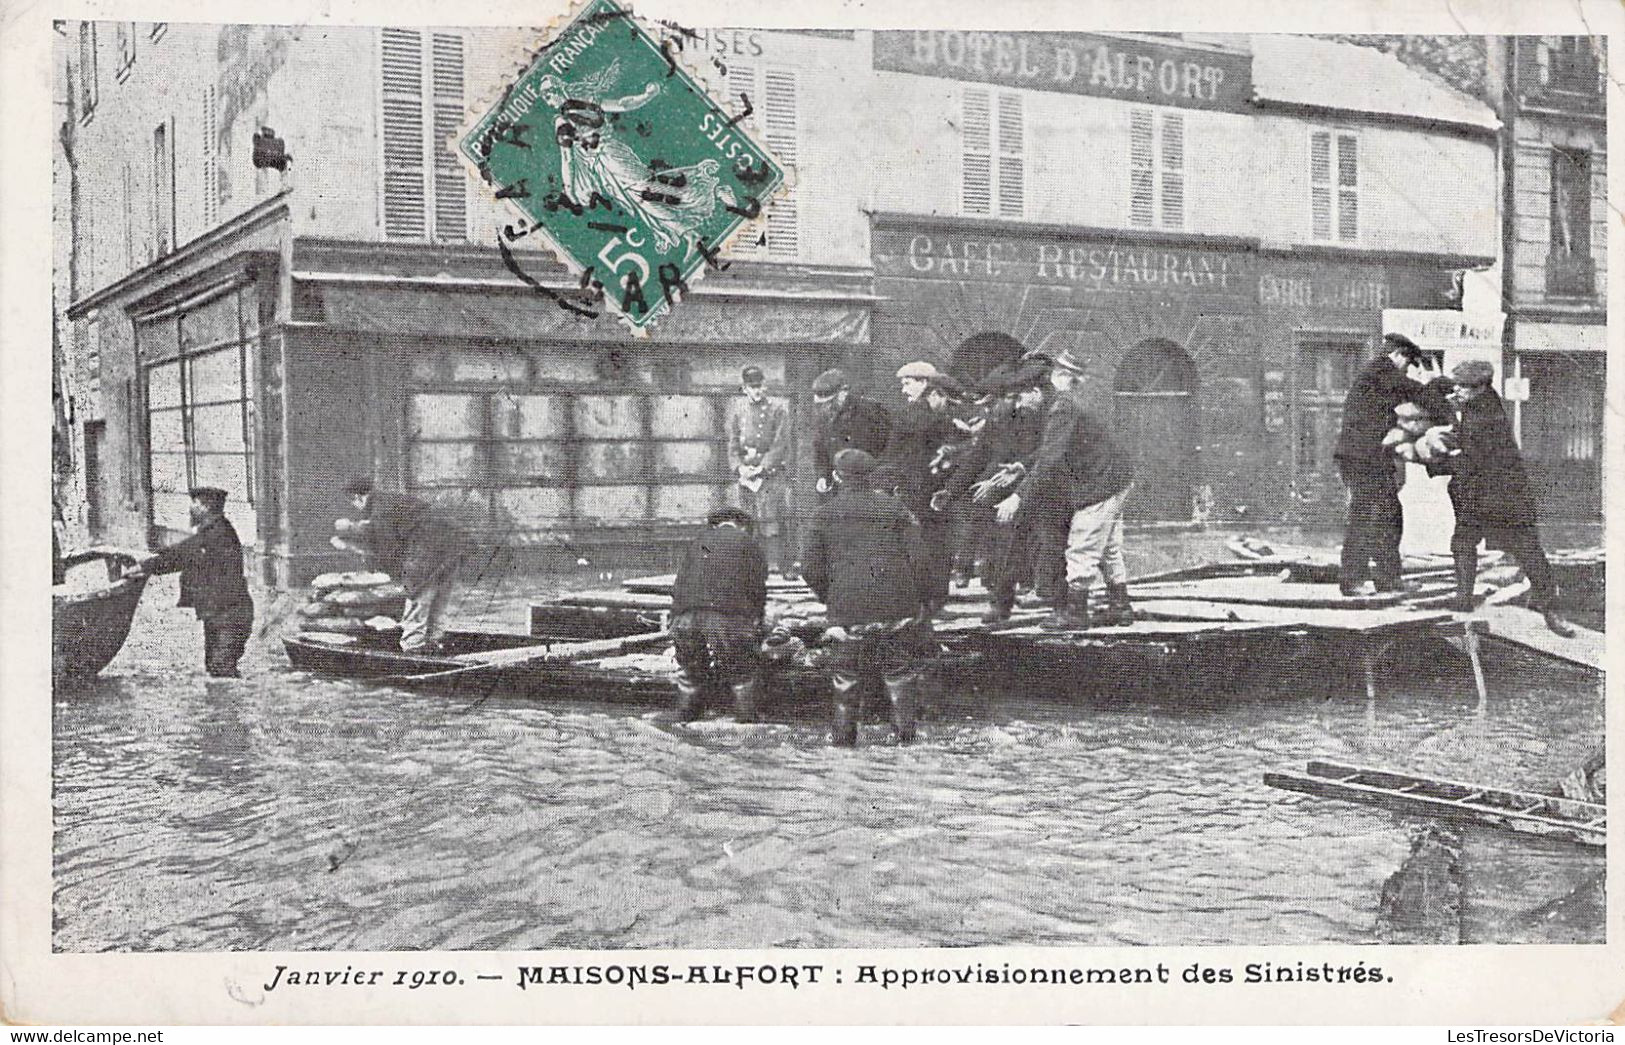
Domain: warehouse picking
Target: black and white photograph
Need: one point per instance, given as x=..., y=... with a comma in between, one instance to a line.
x=627, y=485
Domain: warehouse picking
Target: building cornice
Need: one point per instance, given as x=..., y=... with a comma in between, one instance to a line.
x=187, y=256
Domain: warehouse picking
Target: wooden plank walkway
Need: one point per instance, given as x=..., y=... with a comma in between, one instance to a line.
x=1526, y=629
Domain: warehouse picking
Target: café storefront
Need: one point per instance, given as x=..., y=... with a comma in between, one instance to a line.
x=1222, y=365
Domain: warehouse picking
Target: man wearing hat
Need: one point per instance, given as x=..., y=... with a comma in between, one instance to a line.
x=844, y=421
x=866, y=562
x=1489, y=491
x=1004, y=453
x=717, y=603
x=758, y=451
x=1375, y=520
x=409, y=540
x=1078, y=481
x=210, y=563
x=922, y=446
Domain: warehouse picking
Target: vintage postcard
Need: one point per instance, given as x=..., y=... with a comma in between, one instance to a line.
x=659, y=512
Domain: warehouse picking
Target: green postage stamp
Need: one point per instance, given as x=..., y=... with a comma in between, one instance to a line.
x=615, y=155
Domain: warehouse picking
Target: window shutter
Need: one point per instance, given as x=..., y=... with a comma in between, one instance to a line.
x=450, y=184
x=1012, y=187
x=976, y=196
x=210, y=143
x=1142, y=168
x=1320, y=188
x=404, y=188
x=779, y=132
x=751, y=240
x=1173, y=171
x=1348, y=187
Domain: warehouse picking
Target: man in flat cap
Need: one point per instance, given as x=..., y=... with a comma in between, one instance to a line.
x=866, y=562
x=759, y=453
x=210, y=563
x=844, y=420
x=422, y=550
x=1078, y=481
x=717, y=603
x=1489, y=491
x=1005, y=451
x=921, y=449
x=1375, y=519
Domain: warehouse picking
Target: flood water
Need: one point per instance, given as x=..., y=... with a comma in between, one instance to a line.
x=282, y=811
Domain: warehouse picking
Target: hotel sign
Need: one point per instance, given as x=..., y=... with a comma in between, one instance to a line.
x=1130, y=70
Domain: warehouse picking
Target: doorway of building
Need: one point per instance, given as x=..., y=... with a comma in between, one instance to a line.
x=978, y=355
x=1326, y=367
x=1156, y=426
x=1562, y=433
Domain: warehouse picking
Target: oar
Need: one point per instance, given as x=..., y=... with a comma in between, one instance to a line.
x=548, y=654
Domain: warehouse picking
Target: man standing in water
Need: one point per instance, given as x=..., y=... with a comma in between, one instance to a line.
x=210, y=563
x=865, y=561
x=717, y=602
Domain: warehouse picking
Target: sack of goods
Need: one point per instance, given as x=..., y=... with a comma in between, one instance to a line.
x=349, y=608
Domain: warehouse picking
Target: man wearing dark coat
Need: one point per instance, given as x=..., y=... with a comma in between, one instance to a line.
x=921, y=449
x=1489, y=491
x=717, y=603
x=1375, y=519
x=844, y=421
x=866, y=562
x=210, y=563
x=1005, y=450
x=423, y=552
x=1077, y=485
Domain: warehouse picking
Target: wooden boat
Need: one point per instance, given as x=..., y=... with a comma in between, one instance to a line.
x=1487, y=865
x=89, y=626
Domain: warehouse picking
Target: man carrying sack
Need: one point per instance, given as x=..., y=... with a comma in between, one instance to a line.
x=409, y=541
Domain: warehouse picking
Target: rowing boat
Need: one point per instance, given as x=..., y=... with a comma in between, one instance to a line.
x=90, y=621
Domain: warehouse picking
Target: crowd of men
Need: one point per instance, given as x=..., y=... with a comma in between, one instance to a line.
x=1018, y=478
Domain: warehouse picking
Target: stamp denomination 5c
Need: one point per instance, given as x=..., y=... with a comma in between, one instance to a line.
x=614, y=154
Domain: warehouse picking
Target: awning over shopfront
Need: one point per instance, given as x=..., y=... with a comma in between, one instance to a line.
x=509, y=312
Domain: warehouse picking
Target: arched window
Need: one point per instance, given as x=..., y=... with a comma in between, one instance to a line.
x=979, y=354
x=1156, y=367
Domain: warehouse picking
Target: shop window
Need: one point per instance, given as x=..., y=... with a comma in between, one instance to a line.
x=548, y=459
x=1334, y=186
x=89, y=87
x=1156, y=169
x=1569, y=268
x=774, y=120
x=200, y=410
x=125, y=32
x=993, y=147
x=425, y=189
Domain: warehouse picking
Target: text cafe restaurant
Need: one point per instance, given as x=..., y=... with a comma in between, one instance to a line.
x=1223, y=363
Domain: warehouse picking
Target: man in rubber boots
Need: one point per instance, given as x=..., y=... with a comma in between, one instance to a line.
x=1489, y=490
x=717, y=604
x=1079, y=479
x=866, y=562
x=1375, y=520
x=210, y=563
